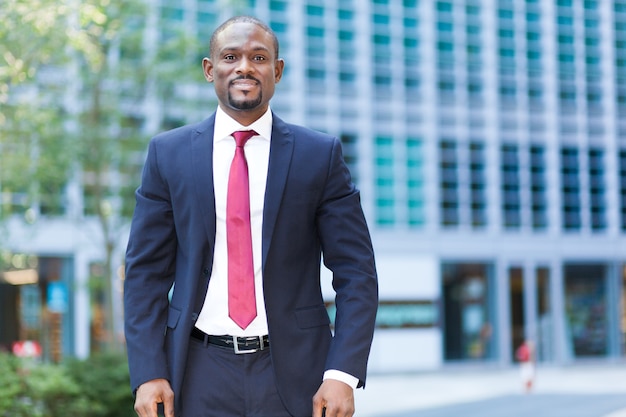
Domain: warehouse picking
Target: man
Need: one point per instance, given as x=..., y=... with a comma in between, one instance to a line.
x=193, y=354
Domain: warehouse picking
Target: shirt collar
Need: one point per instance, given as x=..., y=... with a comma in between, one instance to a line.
x=226, y=125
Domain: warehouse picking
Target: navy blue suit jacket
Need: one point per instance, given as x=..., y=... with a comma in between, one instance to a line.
x=311, y=207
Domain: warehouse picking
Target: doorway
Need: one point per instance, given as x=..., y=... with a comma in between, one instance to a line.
x=516, y=313
x=468, y=321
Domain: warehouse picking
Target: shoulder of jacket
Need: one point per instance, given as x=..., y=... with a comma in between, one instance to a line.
x=308, y=133
x=182, y=132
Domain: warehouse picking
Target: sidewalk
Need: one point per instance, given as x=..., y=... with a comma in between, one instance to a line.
x=386, y=394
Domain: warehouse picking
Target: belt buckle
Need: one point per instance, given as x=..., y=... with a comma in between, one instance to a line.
x=242, y=351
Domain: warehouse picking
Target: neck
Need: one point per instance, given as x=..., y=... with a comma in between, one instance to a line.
x=245, y=117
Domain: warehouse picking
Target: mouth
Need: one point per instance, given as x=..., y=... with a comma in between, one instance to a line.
x=244, y=83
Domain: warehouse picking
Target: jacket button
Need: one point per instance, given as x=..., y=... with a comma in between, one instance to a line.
x=206, y=272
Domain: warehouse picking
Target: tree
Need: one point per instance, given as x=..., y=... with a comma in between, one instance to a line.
x=31, y=131
x=100, y=57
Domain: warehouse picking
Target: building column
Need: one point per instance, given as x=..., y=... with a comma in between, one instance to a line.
x=614, y=309
x=530, y=302
x=562, y=353
x=503, y=316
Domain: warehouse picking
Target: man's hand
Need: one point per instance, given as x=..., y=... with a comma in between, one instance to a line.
x=336, y=397
x=150, y=394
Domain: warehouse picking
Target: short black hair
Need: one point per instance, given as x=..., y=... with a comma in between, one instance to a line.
x=238, y=19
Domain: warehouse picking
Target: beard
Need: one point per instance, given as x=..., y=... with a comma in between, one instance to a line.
x=248, y=104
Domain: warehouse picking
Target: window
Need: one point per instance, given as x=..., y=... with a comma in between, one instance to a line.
x=472, y=10
x=622, y=177
x=172, y=13
x=510, y=186
x=278, y=5
x=597, y=190
x=380, y=39
x=345, y=35
x=385, y=200
x=314, y=10
x=444, y=6
x=538, y=188
x=505, y=14
x=315, y=32
x=443, y=26
x=449, y=184
x=349, y=146
x=415, y=182
x=345, y=14
x=316, y=73
x=477, y=184
x=279, y=27
x=410, y=23
x=380, y=19
x=570, y=189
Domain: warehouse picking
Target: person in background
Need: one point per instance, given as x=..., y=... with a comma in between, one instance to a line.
x=234, y=215
x=526, y=356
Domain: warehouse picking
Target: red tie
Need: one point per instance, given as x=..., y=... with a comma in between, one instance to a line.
x=241, y=297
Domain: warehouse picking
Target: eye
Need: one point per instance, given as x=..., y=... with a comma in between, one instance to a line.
x=259, y=58
x=229, y=57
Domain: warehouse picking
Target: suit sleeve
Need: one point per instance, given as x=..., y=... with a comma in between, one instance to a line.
x=349, y=254
x=149, y=274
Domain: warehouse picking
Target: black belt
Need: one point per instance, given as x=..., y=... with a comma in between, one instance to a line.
x=237, y=344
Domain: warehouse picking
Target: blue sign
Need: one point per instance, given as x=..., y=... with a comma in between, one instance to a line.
x=57, y=297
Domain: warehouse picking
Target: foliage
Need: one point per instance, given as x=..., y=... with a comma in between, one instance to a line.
x=54, y=393
x=96, y=387
x=12, y=388
x=74, y=78
x=31, y=138
x=30, y=38
x=104, y=381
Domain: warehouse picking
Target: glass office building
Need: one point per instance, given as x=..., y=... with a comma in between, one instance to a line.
x=488, y=139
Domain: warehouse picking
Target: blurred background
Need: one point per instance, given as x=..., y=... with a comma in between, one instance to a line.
x=488, y=139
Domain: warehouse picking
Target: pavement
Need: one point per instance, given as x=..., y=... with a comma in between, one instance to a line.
x=581, y=390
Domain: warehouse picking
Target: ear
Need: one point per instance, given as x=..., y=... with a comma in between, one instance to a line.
x=207, y=67
x=278, y=70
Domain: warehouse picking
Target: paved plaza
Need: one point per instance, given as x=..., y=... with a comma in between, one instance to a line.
x=587, y=390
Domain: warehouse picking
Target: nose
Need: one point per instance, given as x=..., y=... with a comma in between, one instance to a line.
x=245, y=66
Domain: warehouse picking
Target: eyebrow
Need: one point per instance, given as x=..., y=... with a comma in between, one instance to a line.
x=235, y=48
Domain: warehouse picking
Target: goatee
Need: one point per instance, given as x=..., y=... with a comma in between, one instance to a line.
x=245, y=104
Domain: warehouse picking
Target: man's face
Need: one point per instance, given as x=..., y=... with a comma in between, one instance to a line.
x=244, y=70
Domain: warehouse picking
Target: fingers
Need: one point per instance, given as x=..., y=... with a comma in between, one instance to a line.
x=318, y=406
x=333, y=399
x=168, y=405
x=150, y=394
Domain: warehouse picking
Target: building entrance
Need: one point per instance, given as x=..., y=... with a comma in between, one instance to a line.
x=586, y=310
x=468, y=322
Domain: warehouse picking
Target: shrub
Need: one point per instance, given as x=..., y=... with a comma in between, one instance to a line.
x=95, y=387
x=13, y=399
x=104, y=381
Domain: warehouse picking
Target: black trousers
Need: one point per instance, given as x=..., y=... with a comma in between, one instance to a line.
x=220, y=383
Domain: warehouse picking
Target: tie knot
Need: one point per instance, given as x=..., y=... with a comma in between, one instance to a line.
x=242, y=136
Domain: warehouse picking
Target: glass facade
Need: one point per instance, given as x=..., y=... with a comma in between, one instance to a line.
x=586, y=310
x=488, y=132
x=467, y=309
x=491, y=133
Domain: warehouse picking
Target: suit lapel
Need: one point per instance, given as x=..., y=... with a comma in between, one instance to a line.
x=202, y=162
x=281, y=149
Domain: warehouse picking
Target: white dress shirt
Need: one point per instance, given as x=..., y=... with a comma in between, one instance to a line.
x=213, y=318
